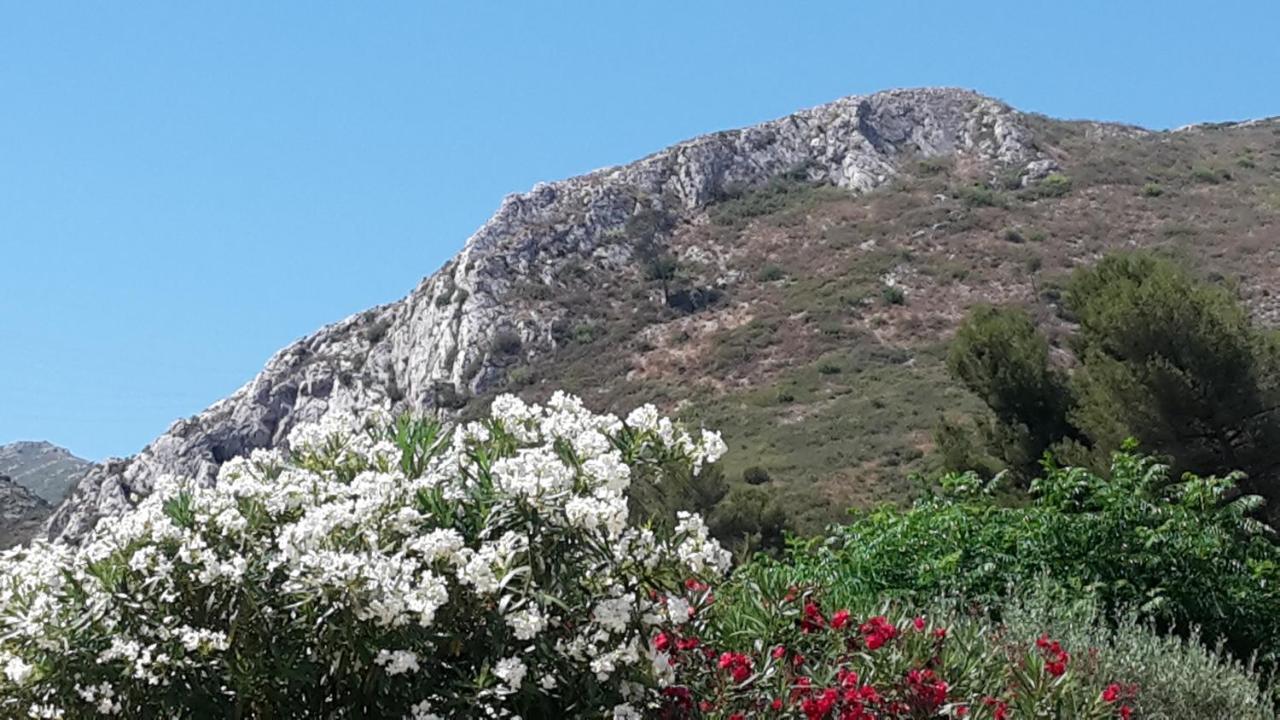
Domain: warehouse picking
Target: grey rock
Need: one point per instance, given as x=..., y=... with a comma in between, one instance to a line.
x=22, y=512
x=1037, y=170
x=436, y=346
x=43, y=468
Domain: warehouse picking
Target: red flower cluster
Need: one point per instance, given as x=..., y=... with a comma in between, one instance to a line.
x=877, y=631
x=812, y=621
x=927, y=691
x=999, y=708
x=1117, y=693
x=779, y=681
x=848, y=700
x=738, y=665
x=1055, y=658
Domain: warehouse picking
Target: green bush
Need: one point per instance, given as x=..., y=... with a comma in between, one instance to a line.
x=1178, y=552
x=1000, y=356
x=893, y=295
x=1208, y=175
x=771, y=273
x=980, y=196
x=1055, y=185
x=755, y=475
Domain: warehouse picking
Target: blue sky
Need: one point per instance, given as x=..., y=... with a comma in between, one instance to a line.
x=187, y=187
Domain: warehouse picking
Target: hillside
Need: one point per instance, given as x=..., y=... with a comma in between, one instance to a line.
x=791, y=284
x=43, y=468
x=21, y=513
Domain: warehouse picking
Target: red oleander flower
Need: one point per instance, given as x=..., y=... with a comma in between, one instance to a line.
x=1055, y=657
x=779, y=652
x=1126, y=712
x=662, y=642
x=1057, y=668
x=819, y=707
x=776, y=704
x=812, y=620
x=918, y=623
x=738, y=665
x=1112, y=693
x=840, y=619
x=877, y=631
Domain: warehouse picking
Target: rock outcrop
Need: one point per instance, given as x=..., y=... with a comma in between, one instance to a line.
x=446, y=340
x=22, y=513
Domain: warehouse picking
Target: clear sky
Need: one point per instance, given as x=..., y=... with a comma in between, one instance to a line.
x=187, y=187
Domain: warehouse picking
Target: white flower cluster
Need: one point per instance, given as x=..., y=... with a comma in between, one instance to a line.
x=470, y=569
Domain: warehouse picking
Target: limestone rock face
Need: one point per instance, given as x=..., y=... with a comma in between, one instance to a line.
x=439, y=344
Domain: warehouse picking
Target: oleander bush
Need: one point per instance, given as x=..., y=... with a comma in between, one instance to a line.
x=381, y=569
x=1050, y=651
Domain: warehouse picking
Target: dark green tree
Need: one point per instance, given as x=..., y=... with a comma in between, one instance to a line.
x=646, y=228
x=1003, y=359
x=1175, y=362
x=750, y=520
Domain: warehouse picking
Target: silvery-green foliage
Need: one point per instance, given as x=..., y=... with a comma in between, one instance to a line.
x=381, y=568
x=1176, y=677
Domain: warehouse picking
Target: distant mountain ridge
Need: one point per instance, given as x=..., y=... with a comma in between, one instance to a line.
x=43, y=468
x=788, y=282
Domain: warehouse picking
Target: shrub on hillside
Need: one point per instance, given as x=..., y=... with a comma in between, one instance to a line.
x=1181, y=553
x=382, y=569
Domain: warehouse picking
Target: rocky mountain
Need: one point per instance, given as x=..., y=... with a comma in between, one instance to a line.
x=791, y=283
x=43, y=468
x=22, y=513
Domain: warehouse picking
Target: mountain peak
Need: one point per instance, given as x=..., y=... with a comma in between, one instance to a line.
x=725, y=262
